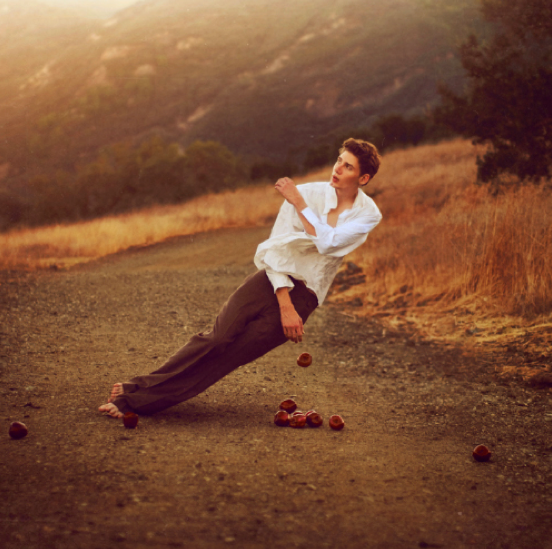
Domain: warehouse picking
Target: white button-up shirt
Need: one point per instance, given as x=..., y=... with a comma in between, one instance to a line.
x=291, y=251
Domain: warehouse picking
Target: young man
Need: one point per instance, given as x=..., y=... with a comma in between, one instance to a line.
x=318, y=224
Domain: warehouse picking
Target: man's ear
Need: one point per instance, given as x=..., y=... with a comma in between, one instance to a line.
x=363, y=181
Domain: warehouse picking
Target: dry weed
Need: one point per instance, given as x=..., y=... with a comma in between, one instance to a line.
x=65, y=245
x=447, y=257
x=450, y=258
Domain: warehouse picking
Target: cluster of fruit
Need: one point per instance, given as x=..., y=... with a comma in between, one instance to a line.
x=288, y=415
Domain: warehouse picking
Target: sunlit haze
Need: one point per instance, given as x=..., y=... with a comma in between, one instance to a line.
x=117, y=3
x=92, y=7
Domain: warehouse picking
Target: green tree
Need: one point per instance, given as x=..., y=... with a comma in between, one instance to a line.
x=52, y=199
x=508, y=102
x=12, y=209
x=162, y=175
x=395, y=131
x=213, y=167
x=318, y=156
x=271, y=170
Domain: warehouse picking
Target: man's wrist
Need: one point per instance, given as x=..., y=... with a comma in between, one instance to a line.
x=299, y=203
x=284, y=301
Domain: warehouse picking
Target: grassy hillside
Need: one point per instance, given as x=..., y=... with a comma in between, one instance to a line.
x=266, y=78
x=447, y=259
x=32, y=37
x=454, y=262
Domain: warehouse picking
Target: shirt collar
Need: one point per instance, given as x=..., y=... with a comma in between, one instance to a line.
x=330, y=201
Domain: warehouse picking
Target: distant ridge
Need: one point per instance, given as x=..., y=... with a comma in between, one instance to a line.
x=267, y=78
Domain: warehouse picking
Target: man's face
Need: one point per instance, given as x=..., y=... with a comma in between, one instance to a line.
x=346, y=172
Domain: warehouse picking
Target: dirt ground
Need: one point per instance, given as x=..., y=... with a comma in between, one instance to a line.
x=215, y=471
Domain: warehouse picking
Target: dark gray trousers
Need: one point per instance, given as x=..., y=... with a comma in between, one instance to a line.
x=247, y=327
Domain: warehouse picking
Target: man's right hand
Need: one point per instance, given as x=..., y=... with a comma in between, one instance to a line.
x=292, y=324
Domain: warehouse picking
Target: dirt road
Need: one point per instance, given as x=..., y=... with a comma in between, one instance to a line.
x=215, y=471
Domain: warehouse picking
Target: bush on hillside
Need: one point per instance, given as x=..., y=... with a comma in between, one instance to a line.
x=319, y=156
x=507, y=105
x=388, y=132
x=121, y=179
x=395, y=131
x=213, y=167
x=269, y=170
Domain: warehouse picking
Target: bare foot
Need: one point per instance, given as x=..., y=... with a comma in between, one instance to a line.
x=115, y=392
x=111, y=409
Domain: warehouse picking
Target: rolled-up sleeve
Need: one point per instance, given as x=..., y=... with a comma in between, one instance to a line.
x=341, y=240
x=287, y=221
x=290, y=253
x=279, y=280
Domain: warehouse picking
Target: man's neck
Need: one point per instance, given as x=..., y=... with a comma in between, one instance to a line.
x=346, y=196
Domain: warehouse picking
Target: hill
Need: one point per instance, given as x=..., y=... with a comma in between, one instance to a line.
x=265, y=78
x=448, y=258
x=32, y=37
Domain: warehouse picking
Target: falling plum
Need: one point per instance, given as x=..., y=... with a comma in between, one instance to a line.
x=336, y=423
x=18, y=430
x=481, y=453
x=288, y=406
x=130, y=420
x=314, y=419
x=297, y=421
x=281, y=418
x=304, y=360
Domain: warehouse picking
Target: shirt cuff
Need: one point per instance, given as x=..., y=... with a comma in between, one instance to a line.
x=279, y=280
x=310, y=216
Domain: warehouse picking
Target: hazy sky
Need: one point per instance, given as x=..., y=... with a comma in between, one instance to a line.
x=91, y=5
x=88, y=2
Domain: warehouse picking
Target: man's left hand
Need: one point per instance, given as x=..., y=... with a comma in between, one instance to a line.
x=286, y=187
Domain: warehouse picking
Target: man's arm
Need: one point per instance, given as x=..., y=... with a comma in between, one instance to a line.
x=291, y=321
x=334, y=241
x=286, y=187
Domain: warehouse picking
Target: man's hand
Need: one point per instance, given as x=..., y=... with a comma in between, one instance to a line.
x=286, y=187
x=292, y=323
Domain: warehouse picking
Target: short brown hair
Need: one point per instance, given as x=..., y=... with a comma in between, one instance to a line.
x=368, y=157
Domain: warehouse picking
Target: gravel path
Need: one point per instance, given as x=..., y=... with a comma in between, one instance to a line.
x=215, y=471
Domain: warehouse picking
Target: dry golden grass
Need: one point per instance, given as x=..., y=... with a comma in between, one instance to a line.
x=447, y=257
x=450, y=258
x=66, y=245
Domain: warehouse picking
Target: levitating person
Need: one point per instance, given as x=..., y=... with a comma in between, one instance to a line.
x=318, y=224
